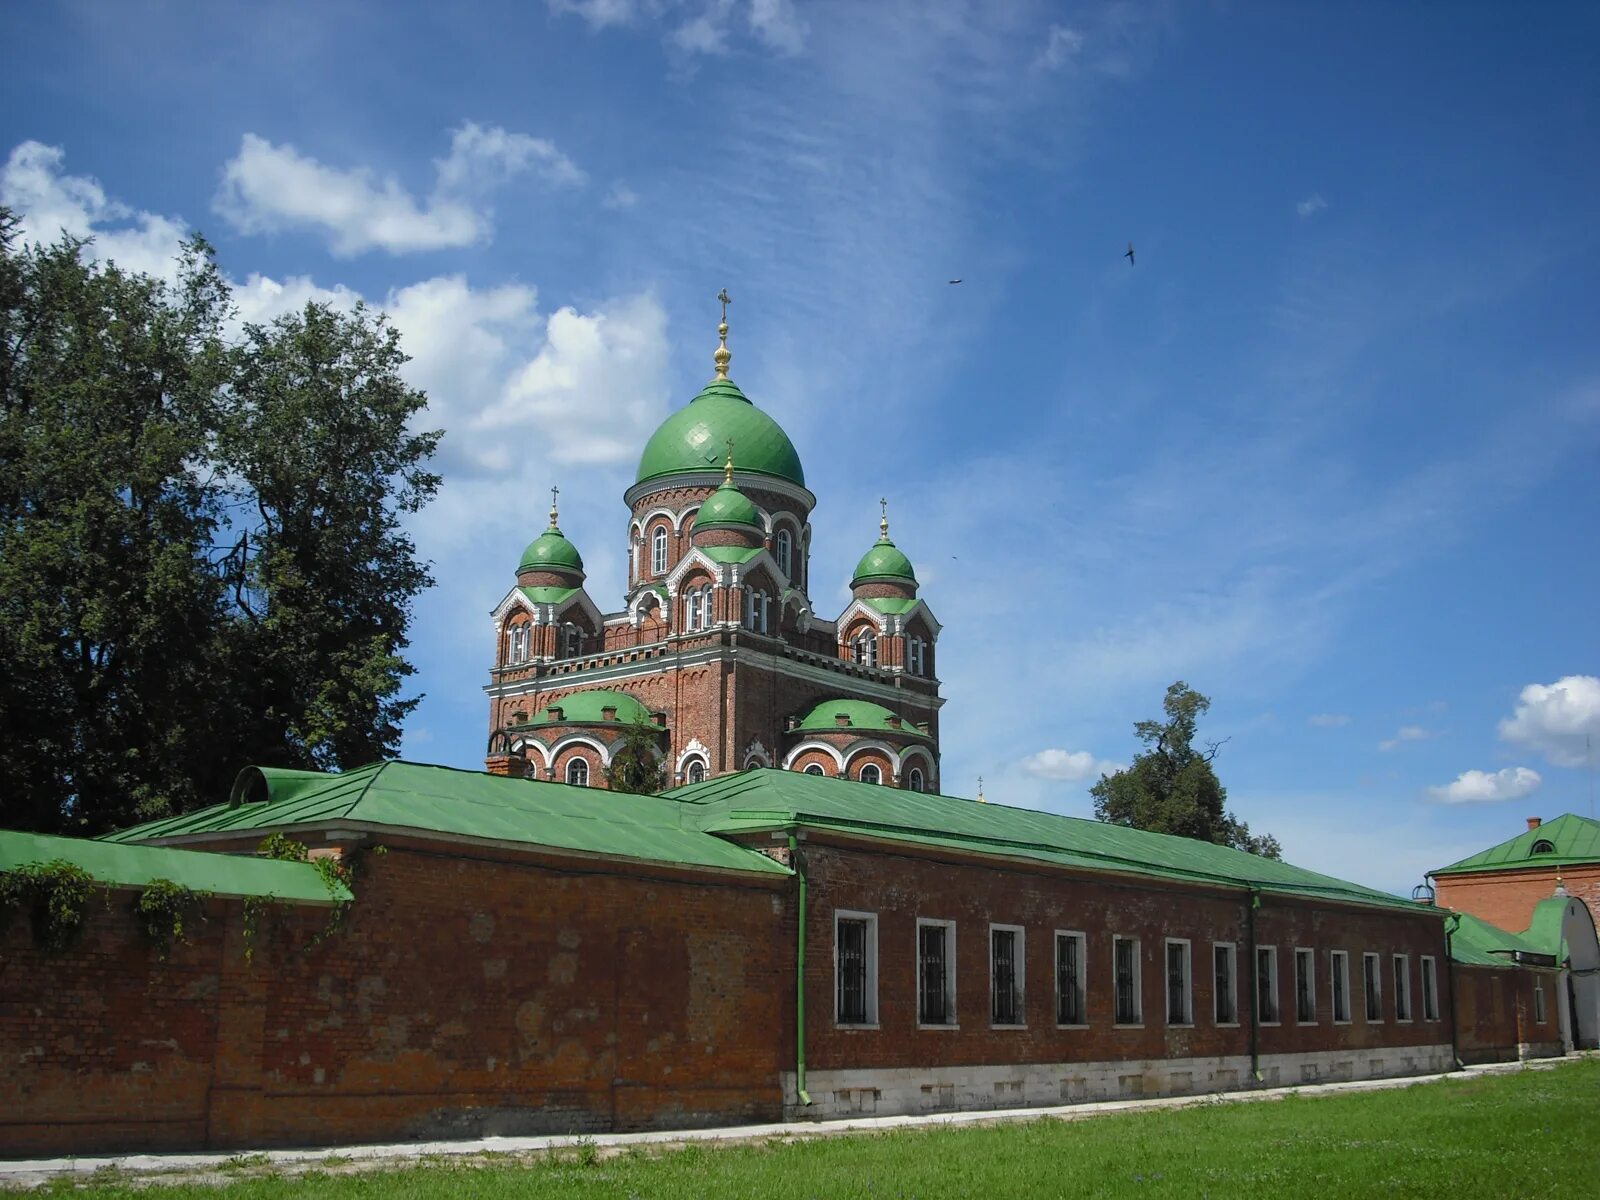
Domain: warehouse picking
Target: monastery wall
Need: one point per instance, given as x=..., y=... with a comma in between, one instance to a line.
x=1497, y=1014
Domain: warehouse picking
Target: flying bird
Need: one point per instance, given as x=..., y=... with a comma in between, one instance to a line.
x=1129, y=254
x=955, y=281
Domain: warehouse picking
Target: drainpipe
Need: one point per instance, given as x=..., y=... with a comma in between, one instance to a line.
x=1255, y=985
x=800, y=978
x=1450, y=924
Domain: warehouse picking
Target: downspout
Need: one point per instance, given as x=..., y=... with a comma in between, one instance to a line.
x=1450, y=924
x=799, y=977
x=1255, y=985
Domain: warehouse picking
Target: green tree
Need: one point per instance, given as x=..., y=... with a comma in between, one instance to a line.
x=636, y=763
x=1171, y=787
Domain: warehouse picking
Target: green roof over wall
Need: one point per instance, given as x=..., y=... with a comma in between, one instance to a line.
x=695, y=438
x=766, y=799
x=138, y=866
x=729, y=554
x=468, y=804
x=1575, y=840
x=891, y=604
x=545, y=594
x=1475, y=943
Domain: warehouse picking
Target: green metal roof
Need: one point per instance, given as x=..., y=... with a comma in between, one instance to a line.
x=1546, y=931
x=1574, y=840
x=139, y=866
x=470, y=804
x=767, y=799
x=884, y=561
x=545, y=594
x=727, y=506
x=864, y=716
x=730, y=554
x=1477, y=943
x=695, y=438
x=551, y=550
x=891, y=604
x=584, y=708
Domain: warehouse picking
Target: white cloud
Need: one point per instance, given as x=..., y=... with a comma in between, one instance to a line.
x=1406, y=733
x=267, y=189
x=700, y=26
x=1061, y=47
x=776, y=24
x=620, y=198
x=1311, y=206
x=1561, y=720
x=600, y=14
x=1327, y=720
x=1481, y=787
x=1069, y=765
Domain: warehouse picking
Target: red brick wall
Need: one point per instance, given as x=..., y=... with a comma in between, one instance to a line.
x=460, y=997
x=1495, y=1014
x=1507, y=898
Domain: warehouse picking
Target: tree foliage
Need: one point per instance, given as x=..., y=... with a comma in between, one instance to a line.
x=636, y=763
x=201, y=558
x=1171, y=787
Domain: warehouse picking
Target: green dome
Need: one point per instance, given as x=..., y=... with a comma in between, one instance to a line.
x=551, y=551
x=863, y=715
x=883, y=561
x=727, y=506
x=586, y=708
x=695, y=438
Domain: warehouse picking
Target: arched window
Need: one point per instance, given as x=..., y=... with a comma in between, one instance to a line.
x=785, y=546
x=867, y=649
x=578, y=772
x=814, y=769
x=519, y=643
x=871, y=774
x=658, y=550
x=695, y=604
x=1542, y=846
x=695, y=771
x=914, y=779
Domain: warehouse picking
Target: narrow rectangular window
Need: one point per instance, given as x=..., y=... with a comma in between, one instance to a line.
x=1341, y=986
x=935, y=973
x=1305, y=987
x=856, y=967
x=1180, y=1010
x=1538, y=1002
x=1125, y=969
x=1430, y=989
x=1071, y=993
x=1267, y=985
x=1374, y=986
x=1402, y=988
x=1005, y=975
x=1225, y=987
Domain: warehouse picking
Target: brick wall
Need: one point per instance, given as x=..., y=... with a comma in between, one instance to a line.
x=1496, y=1014
x=1507, y=898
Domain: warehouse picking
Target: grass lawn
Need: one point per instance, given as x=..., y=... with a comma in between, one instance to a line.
x=1534, y=1133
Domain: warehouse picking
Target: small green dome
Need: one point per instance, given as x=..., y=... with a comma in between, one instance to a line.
x=727, y=506
x=696, y=436
x=884, y=561
x=551, y=551
x=861, y=714
x=588, y=708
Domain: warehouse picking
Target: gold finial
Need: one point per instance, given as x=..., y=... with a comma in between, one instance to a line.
x=883, y=521
x=981, y=800
x=723, y=355
x=554, y=492
x=727, y=467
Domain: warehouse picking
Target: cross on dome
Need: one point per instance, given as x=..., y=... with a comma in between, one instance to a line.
x=723, y=356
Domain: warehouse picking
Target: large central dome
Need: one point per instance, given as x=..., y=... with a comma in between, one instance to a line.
x=695, y=438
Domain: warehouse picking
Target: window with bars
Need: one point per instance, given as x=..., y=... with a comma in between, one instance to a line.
x=1225, y=984
x=1430, y=989
x=856, y=967
x=1071, y=994
x=1305, y=987
x=1340, y=970
x=1267, y=985
x=1374, y=986
x=1005, y=975
x=1125, y=971
x=1179, y=1006
x=1402, y=988
x=935, y=973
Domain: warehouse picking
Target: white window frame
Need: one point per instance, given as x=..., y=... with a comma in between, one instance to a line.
x=1307, y=956
x=1540, y=1016
x=1082, y=940
x=1339, y=970
x=1430, y=987
x=866, y=648
x=1232, y=949
x=694, y=610
x=519, y=642
x=916, y=656
x=658, y=550
x=582, y=766
x=757, y=610
x=783, y=544
x=689, y=766
x=571, y=641
x=814, y=769
x=1138, y=983
x=871, y=919
x=949, y=971
x=1188, y=983
x=861, y=775
x=916, y=781
x=1255, y=982
x=1401, y=966
x=1371, y=985
x=1020, y=945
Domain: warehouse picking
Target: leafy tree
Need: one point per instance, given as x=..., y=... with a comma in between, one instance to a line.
x=636, y=764
x=201, y=561
x=1172, y=788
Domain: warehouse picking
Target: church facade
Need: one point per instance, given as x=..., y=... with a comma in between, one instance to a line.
x=717, y=652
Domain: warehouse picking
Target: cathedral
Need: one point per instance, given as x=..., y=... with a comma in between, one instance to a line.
x=717, y=651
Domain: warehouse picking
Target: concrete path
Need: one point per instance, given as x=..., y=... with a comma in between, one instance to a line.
x=196, y=1168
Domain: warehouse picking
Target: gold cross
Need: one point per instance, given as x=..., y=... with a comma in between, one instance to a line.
x=726, y=300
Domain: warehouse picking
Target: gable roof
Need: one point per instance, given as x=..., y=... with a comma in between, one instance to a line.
x=467, y=804
x=1575, y=840
x=766, y=799
x=1476, y=943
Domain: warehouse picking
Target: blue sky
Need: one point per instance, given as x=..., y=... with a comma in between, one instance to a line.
x=1328, y=452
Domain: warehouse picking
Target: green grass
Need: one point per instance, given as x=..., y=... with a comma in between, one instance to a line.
x=1534, y=1133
